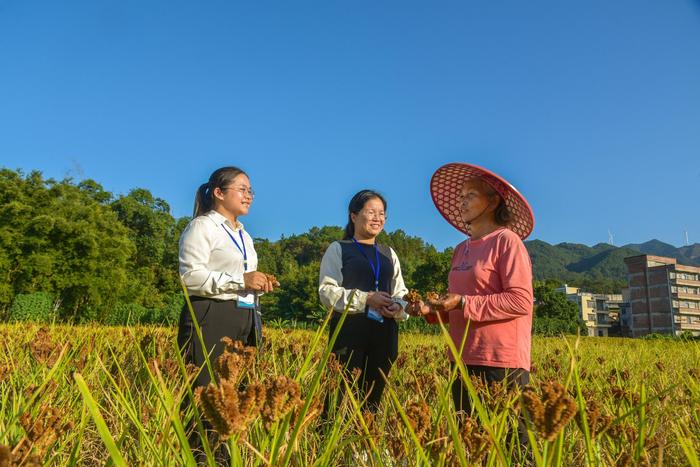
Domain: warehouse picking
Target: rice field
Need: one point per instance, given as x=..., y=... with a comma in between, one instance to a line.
x=93, y=395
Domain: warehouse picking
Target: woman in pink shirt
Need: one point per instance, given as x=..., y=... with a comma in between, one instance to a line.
x=490, y=282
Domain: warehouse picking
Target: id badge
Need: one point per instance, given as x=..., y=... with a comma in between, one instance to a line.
x=375, y=315
x=246, y=301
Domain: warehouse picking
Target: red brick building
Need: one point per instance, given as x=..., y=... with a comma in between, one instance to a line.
x=664, y=297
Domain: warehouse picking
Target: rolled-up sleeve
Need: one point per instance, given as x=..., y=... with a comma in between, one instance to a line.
x=330, y=291
x=195, y=251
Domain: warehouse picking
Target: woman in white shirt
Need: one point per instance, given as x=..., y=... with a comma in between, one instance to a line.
x=218, y=267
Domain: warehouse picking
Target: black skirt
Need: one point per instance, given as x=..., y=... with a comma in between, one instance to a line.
x=216, y=319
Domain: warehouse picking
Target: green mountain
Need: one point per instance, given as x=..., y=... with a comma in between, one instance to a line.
x=600, y=267
x=572, y=261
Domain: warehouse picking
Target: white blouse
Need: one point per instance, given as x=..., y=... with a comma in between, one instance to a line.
x=210, y=263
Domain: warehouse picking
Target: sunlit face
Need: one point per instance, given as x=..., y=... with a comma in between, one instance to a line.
x=369, y=222
x=236, y=197
x=476, y=200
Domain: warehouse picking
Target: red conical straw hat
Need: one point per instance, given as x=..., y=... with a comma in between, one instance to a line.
x=446, y=190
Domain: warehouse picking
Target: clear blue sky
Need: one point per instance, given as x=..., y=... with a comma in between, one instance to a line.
x=591, y=109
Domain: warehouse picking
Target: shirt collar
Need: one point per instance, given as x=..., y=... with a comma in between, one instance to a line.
x=221, y=219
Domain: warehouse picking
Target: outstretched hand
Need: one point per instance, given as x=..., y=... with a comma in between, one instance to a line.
x=446, y=302
x=418, y=308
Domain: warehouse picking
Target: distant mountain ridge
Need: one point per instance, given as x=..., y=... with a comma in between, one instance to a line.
x=574, y=261
x=689, y=254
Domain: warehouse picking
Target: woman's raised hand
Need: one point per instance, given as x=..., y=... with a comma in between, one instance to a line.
x=259, y=282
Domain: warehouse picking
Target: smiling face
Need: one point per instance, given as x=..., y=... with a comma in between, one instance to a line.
x=369, y=221
x=234, y=199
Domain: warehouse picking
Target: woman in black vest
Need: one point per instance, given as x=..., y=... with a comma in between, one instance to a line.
x=364, y=277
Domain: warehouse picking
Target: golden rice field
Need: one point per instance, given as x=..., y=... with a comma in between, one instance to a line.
x=92, y=395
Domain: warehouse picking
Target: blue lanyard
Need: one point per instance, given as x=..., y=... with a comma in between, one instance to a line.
x=374, y=270
x=242, y=250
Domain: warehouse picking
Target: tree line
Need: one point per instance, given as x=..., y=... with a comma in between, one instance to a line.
x=70, y=251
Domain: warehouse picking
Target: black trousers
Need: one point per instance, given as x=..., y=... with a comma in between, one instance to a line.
x=370, y=346
x=216, y=319
x=514, y=377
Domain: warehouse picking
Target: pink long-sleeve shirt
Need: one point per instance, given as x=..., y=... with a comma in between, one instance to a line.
x=494, y=274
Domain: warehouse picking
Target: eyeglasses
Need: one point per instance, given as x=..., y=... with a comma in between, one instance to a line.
x=243, y=190
x=372, y=213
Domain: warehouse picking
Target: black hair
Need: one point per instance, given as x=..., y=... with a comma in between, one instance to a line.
x=220, y=178
x=356, y=204
x=502, y=213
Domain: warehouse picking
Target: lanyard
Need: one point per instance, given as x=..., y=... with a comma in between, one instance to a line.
x=374, y=270
x=242, y=250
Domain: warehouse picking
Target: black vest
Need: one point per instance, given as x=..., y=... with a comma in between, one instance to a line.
x=358, y=274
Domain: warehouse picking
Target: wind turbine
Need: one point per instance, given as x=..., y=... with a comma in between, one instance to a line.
x=611, y=239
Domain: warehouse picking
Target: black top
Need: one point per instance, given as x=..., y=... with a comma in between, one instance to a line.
x=357, y=272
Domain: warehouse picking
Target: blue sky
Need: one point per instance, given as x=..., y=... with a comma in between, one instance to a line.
x=591, y=109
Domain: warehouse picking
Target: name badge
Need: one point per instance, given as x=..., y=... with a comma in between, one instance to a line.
x=246, y=301
x=375, y=315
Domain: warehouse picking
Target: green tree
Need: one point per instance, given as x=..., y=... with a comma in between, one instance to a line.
x=57, y=238
x=298, y=297
x=430, y=275
x=153, y=274
x=554, y=314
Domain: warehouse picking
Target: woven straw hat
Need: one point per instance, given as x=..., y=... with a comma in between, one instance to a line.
x=446, y=190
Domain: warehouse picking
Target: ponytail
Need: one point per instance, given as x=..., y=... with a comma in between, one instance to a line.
x=202, y=200
x=349, y=229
